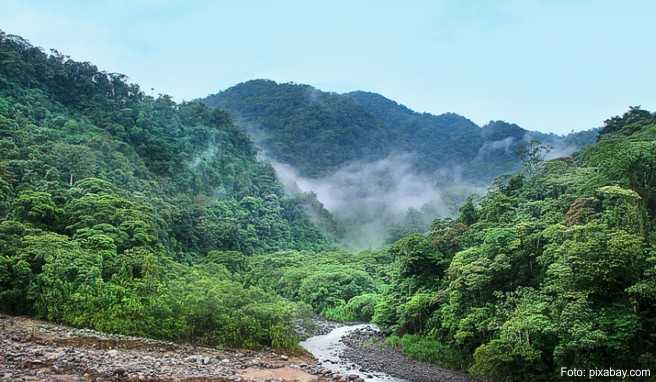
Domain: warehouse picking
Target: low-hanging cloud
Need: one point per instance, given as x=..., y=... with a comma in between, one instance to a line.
x=561, y=151
x=491, y=148
x=370, y=197
x=508, y=146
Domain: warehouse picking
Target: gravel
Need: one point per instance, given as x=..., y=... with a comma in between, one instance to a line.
x=32, y=350
x=366, y=347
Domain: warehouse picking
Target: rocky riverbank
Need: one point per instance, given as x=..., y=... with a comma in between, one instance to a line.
x=32, y=350
x=366, y=347
x=316, y=326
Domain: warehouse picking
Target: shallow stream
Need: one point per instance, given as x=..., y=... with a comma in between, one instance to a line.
x=327, y=349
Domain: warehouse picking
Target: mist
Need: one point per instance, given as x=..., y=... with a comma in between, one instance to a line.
x=560, y=151
x=373, y=198
x=507, y=146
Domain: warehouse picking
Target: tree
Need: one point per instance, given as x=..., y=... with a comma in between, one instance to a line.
x=467, y=212
x=6, y=194
x=532, y=155
x=37, y=208
x=234, y=261
x=417, y=258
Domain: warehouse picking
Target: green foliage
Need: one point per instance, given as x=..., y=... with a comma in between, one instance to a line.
x=133, y=214
x=532, y=155
x=427, y=350
x=6, y=196
x=317, y=132
x=233, y=261
x=417, y=258
x=359, y=308
x=339, y=285
x=140, y=293
x=37, y=208
x=552, y=269
x=467, y=212
x=332, y=287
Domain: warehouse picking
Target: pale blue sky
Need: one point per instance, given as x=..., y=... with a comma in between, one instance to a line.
x=546, y=65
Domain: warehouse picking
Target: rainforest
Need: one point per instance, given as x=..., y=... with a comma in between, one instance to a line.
x=236, y=220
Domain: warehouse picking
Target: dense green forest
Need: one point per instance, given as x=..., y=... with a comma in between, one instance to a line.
x=138, y=215
x=317, y=132
x=554, y=267
x=366, y=156
x=117, y=209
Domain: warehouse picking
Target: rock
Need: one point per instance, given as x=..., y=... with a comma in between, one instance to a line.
x=366, y=351
x=112, y=353
x=197, y=359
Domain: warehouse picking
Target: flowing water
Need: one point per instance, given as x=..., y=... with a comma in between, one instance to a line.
x=327, y=349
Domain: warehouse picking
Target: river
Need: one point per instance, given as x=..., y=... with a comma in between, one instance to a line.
x=361, y=350
x=328, y=348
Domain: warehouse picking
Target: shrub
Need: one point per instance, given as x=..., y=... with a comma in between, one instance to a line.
x=427, y=349
x=359, y=308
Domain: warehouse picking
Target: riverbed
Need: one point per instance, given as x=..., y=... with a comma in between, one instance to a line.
x=358, y=350
x=329, y=349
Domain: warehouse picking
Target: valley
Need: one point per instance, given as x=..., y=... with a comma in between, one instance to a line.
x=147, y=239
x=381, y=169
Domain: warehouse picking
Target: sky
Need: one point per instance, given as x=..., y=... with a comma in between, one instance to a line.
x=553, y=66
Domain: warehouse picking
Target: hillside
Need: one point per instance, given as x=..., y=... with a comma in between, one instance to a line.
x=128, y=213
x=549, y=270
x=381, y=169
x=313, y=131
x=318, y=132
x=139, y=216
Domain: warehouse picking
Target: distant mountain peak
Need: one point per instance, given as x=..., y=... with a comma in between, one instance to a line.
x=318, y=132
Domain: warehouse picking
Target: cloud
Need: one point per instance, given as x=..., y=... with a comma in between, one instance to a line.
x=371, y=197
x=491, y=148
x=561, y=151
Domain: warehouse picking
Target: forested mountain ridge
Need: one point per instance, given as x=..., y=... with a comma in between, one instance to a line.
x=553, y=268
x=381, y=169
x=302, y=126
x=100, y=126
x=317, y=132
x=137, y=215
x=107, y=195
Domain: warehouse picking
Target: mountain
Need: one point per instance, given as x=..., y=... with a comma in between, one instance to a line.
x=130, y=214
x=314, y=131
x=319, y=132
x=381, y=169
x=546, y=270
x=137, y=215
